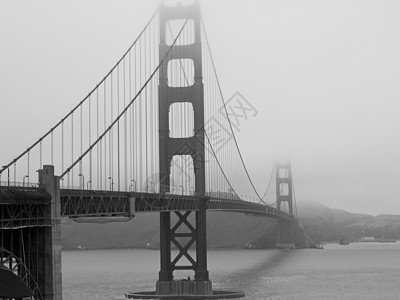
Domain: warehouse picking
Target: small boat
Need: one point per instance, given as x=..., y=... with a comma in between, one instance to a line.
x=249, y=246
x=317, y=246
x=344, y=242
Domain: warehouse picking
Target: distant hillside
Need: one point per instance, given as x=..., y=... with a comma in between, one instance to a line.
x=233, y=230
x=325, y=224
x=224, y=230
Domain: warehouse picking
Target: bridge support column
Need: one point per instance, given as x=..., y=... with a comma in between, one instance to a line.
x=165, y=273
x=52, y=235
x=183, y=235
x=201, y=273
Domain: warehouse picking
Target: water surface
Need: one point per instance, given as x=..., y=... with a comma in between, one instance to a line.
x=355, y=271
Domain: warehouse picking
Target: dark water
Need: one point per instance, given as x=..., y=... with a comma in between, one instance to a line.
x=356, y=271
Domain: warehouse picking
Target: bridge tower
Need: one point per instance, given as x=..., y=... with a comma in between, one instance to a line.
x=170, y=147
x=284, y=186
x=284, y=194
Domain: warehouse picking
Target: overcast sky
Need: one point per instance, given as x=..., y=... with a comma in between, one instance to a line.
x=324, y=77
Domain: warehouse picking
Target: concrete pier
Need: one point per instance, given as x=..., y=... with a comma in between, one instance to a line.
x=184, y=287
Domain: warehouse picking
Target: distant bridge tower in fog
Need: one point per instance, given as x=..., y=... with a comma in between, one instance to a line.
x=284, y=191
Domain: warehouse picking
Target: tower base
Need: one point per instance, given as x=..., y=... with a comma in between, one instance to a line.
x=184, y=289
x=215, y=295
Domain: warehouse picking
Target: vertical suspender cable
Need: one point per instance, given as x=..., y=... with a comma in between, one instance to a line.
x=105, y=137
x=118, y=141
x=99, y=146
x=207, y=85
x=140, y=144
x=145, y=108
x=151, y=112
x=150, y=88
x=52, y=148
x=110, y=136
x=72, y=148
x=81, y=116
x=156, y=99
x=136, y=121
x=62, y=150
x=135, y=117
x=90, y=142
x=125, y=132
x=81, y=138
x=136, y=125
x=131, y=124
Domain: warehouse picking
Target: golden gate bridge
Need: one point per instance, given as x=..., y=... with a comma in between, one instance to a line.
x=154, y=135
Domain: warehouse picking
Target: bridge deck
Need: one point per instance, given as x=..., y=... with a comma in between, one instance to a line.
x=22, y=207
x=87, y=203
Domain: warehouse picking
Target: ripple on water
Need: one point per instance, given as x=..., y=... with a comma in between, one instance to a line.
x=355, y=272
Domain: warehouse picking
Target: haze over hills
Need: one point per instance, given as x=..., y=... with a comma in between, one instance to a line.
x=326, y=224
x=234, y=230
x=224, y=230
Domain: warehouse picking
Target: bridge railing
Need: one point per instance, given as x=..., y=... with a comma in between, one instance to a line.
x=18, y=184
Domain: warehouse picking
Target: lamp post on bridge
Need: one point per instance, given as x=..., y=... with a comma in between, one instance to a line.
x=111, y=183
x=8, y=175
x=83, y=180
x=23, y=180
x=133, y=185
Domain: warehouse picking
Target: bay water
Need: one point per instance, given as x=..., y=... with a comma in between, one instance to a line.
x=355, y=271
